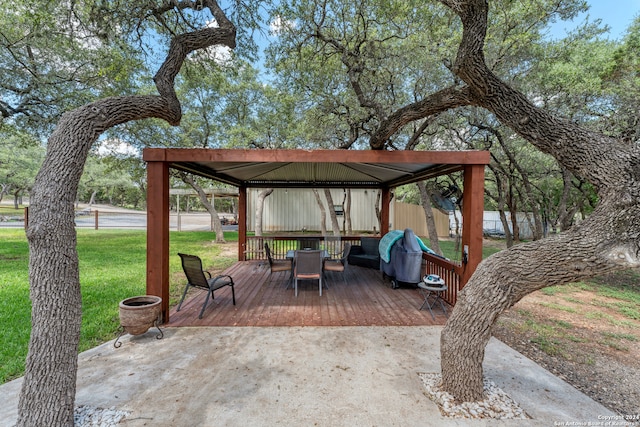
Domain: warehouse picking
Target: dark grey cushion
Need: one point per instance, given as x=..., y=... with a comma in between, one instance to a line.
x=366, y=254
x=370, y=245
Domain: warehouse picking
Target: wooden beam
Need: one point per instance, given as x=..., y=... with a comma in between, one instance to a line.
x=315, y=156
x=472, y=220
x=384, y=211
x=242, y=223
x=158, y=233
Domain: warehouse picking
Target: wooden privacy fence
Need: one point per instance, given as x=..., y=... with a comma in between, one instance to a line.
x=406, y=215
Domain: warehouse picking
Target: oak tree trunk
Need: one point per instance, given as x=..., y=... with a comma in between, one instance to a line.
x=216, y=224
x=48, y=390
x=262, y=195
x=347, y=213
x=434, y=241
x=608, y=240
x=335, y=226
x=323, y=212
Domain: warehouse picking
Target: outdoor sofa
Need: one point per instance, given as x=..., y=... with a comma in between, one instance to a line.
x=366, y=254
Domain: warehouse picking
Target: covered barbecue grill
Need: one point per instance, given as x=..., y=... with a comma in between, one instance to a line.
x=401, y=257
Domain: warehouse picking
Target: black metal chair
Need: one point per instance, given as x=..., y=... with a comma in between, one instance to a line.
x=199, y=278
x=278, y=265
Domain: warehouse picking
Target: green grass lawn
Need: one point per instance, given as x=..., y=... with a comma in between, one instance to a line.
x=11, y=211
x=450, y=249
x=112, y=268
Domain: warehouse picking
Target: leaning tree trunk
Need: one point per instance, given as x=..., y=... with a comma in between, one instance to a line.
x=92, y=199
x=55, y=283
x=432, y=230
x=216, y=224
x=335, y=226
x=606, y=241
x=378, y=209
x=503, y=279
x=347, y=213
x=48, y=390
x=323, y=212
x=262, y=195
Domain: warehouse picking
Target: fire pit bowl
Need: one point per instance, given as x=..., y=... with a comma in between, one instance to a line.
x=138, y=314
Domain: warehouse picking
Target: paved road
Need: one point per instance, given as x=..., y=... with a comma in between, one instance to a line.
x=188, y=222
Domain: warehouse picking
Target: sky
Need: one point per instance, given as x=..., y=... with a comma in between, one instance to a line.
x=617, y=14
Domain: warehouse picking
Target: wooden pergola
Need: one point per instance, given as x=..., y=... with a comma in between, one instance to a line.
x=383, y=170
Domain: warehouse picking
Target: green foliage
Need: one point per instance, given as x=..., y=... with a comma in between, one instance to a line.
x=386, y=51
x=56, y=58
x=622, y=80
x=20, y=159
x=112, y=268
x=107, y=180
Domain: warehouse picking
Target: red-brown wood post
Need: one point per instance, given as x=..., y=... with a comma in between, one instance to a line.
x=472, y=220
x=242, y=223
x=384, y=211
x=95, y=219
x=158, y=233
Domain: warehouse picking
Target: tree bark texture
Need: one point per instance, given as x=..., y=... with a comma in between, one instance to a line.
x=504, y=278
x=260, y=209
x=323, y=212
x=434, y=241
x=608, y=240
x=335, y=226
x=216, y=224
x=48, y=391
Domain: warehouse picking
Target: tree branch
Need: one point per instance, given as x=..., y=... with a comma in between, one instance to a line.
x=436, y=103
x=590, y=151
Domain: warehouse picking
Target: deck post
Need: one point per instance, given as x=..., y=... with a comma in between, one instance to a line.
x=242, y=222
x=384, y=211
x=472, y=220
x=158, y=233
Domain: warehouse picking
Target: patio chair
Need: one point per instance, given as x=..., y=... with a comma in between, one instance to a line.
x=338, y=265
x=199, y=278
x=278, y=265
x=308, y=266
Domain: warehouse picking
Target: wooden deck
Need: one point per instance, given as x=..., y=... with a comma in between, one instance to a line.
x=362, y=299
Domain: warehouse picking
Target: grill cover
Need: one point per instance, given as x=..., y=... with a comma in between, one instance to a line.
x=405, y=259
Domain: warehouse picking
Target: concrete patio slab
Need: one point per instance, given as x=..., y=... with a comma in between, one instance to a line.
x=300, y=376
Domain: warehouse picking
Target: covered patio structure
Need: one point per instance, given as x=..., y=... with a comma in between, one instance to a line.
x=382, y=170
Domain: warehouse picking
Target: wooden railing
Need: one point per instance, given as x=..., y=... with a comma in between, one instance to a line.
x=449, y=271
x=279, y=245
